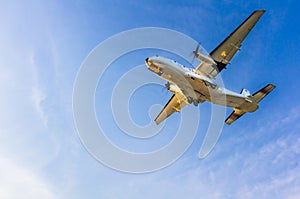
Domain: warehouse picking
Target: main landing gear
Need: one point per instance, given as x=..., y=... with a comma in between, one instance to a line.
x=191, y=100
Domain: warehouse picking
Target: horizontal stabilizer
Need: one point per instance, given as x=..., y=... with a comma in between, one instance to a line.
x=256, y=97
x=259, y=95
x=236, y=114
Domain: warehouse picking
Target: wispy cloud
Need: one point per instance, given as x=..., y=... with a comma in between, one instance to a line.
x=25, y=137
x=233, y=170
x=38, y=95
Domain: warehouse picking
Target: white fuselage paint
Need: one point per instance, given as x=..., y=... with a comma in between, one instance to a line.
x=197, y=86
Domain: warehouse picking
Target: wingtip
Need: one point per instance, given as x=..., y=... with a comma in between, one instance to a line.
x=271, y=85
x=156, y=122
x=227, y=122
x=262, y=10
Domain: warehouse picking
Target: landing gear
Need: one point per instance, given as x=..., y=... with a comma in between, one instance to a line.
x=160, y=72
x=195, y=103
x=191, y=100
x=213, y=86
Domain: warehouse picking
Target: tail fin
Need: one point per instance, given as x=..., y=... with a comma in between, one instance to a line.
x=257, y=97
x=245, y=92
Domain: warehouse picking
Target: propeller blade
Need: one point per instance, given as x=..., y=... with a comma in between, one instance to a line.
x=168, y=85
x=166, y=88
x=197, y=47
x=195, y=53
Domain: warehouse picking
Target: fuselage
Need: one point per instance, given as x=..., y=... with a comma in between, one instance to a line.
x=197, y=87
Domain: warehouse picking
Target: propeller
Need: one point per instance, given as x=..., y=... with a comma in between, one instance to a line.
x=168, y=85
x=195, y=53
x=202, y=55
x=166, y=88
x=196, y=50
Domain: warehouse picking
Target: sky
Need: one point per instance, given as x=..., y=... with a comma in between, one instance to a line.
x=43, y=45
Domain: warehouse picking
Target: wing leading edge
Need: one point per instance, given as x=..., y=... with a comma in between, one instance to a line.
x=175, y=104
x=225, y=51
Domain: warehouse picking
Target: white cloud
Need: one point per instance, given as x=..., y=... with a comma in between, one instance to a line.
x=25, y=136
x=233, y=170
x=17, y=182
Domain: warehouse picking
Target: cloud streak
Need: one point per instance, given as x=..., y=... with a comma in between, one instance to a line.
x=271, y=170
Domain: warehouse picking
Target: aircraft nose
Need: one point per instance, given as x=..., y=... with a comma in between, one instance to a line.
x=147, y=62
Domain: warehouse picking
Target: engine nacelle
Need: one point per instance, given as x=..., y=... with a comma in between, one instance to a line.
x=205, y=58
x=173, y=88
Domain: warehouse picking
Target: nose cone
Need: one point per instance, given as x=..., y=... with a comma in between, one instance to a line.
x=147, y=61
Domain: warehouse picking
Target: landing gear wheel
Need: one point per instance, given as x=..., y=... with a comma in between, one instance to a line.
x=190, y=100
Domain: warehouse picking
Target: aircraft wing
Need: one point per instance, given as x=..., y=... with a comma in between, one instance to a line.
x=175, y=104
x=236, y=114
x=224, y=52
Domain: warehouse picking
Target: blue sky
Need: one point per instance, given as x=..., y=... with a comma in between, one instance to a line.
x=42, y=47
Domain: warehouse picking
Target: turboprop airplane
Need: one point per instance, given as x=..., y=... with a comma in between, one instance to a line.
x=199, y=85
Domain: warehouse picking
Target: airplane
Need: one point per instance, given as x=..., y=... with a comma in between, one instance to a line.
x=194, y=86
